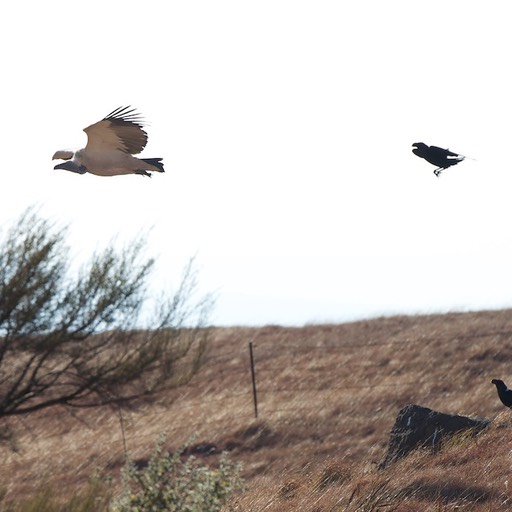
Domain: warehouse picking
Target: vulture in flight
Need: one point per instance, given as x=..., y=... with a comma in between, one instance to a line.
x=111, y=144
x=504, y=393
x=442, y=158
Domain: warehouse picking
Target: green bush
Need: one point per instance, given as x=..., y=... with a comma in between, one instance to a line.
x=172, y=482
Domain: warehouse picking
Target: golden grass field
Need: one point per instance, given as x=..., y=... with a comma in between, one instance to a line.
x=328, y=397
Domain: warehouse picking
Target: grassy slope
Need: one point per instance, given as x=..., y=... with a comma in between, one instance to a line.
x=328, y=397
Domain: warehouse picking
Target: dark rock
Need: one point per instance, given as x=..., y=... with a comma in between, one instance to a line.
x=420, y=427
x=202, y=449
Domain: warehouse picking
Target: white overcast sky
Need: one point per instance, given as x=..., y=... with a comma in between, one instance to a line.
x=286, y=131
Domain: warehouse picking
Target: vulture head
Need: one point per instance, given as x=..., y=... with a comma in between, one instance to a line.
x=63, y=155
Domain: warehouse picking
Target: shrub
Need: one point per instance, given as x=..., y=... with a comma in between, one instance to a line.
x=173, y=482
x=82, y=340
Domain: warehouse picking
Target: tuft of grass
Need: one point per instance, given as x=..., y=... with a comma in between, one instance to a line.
x=289, y=489
x=95, y=497
x=380, y=494
x=332, y=474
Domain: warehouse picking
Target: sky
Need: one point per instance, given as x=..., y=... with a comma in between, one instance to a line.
x=286, y=130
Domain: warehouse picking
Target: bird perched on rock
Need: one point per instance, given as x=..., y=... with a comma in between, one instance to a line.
x=111, y=144
x=504, y=393
x=443, y=158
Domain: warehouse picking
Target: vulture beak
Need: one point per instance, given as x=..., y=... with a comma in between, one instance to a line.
x=69, y=165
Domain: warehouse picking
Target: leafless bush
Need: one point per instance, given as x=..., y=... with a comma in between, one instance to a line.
x=79, y=340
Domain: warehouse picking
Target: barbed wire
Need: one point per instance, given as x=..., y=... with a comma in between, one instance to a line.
x=239, y=393
x=284, y=345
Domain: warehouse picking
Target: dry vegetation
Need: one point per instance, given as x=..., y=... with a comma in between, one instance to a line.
x=328, y=397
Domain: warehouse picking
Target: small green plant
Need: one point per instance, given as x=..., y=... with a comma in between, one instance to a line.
x=173, y=482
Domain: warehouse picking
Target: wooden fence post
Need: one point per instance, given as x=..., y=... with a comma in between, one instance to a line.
x=253, y=374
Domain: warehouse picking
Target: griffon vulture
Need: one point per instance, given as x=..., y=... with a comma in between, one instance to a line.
x=111, y=144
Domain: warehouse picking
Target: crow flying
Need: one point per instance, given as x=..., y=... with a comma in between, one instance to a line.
x=443, y=158
x=504, y=393
x=111, y=144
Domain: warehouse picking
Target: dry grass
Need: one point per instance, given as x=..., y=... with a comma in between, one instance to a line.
x=328, y=397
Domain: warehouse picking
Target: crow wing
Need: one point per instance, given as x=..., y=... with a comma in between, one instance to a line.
x=444, y=152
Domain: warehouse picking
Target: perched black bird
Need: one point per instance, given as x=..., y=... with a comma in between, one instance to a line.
x=443, y=158
x=504, y=393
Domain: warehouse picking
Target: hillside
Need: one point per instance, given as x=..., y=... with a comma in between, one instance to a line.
x=328, y=396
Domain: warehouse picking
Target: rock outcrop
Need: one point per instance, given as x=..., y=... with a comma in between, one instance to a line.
x=420, y=427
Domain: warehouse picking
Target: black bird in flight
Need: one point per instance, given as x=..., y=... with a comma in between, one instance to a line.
x=504, y=393
x=443, y=158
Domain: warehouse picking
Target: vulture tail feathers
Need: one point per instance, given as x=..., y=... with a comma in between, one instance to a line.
x=157, y=162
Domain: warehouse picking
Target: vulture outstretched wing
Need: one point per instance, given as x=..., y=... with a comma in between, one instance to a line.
x=120, y=130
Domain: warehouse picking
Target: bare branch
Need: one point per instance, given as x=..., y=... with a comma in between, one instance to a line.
x=76, y=341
